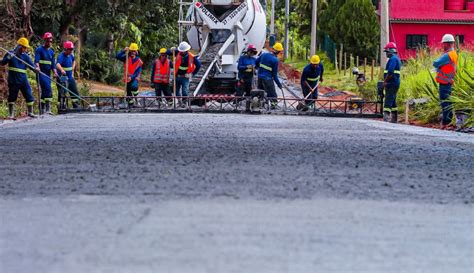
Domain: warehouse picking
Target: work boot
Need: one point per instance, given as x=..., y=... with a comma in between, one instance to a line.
x=30, y=111
x=273, y=105
x=61, y=105
x=247, y=105
x=47, y=108
x=394, y=118
x=11, y=111
x=386, y=116
x=42, y=108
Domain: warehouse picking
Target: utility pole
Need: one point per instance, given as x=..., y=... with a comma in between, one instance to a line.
x=314, y=22
x=287, y=28
x=384, y=30
x=272, y=19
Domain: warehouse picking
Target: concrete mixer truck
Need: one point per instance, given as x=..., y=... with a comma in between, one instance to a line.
x=220, y=30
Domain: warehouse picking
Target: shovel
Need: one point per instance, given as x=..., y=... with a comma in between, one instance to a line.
x=92, y=107
x=302, y=105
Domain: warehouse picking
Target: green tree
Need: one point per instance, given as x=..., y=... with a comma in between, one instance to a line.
x=303, y=8
x=356, y=26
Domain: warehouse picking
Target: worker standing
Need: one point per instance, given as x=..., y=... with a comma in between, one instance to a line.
x=246, y=67
x=65, y=65
x=391, y=83
x=267, y=64
x=187, y=66
x=446, y=71
x=311, y=76
x=132, y=73
x=160, y=75
x=44, y=60
x=17, y=78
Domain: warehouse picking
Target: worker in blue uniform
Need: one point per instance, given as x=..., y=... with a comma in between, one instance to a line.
x=267, y=65
x=311, y=76
x=246, y=67
x=44, y=60
x=17, y=61
x=391, y=83
x=65, y=65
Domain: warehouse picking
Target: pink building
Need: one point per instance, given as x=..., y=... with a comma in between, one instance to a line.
x=422, y=23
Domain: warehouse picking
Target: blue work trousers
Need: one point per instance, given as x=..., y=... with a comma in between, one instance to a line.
x=46, y=91
x=269, y=88
x=444, y=94
x=182, y=86
x=390, y=104
x=24, y=88
x=311, y=97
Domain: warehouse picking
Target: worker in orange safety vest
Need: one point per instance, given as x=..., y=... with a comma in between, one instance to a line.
x=446, y=71
x=160, y=75
x=133, y=71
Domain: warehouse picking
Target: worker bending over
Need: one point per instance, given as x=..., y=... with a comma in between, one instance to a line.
x=267, y=65
x=311, y=76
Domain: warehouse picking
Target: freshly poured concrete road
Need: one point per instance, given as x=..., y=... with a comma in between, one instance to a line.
x=233, y=193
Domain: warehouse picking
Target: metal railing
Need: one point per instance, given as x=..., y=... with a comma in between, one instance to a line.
x=231, y=104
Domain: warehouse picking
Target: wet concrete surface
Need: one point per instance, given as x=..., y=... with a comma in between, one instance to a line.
x=240, y=156
x=233, y=193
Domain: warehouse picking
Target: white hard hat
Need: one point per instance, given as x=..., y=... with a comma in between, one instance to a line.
x=183, y=47
x=448, y=38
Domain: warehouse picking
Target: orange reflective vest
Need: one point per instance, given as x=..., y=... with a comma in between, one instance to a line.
x=190, y=68
x=447, y=72
x=162, y=71
x=132, y=67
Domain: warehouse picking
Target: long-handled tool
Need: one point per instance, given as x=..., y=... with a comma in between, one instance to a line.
x=174, y=72
x=302, y=105
x=40, y=106
x=284, y=99
x=126, y=71
x=92, y=107
x=126, y=78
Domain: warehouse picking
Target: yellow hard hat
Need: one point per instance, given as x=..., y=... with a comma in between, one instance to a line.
x=133, y=47
x=163, y=51
x=278, y=47
x=23, y=42
x=315, y=59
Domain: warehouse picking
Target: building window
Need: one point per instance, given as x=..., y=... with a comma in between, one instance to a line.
x=417, y=41
x=460, y=38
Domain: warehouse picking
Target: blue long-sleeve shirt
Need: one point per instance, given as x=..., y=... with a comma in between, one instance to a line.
x=443, y=60
x=17, y=69
x=392, y=69
x=243, y=63
x=45, y=58
x=121, y=57
x=267, y=64
x=311, y=75
x=66, y=62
